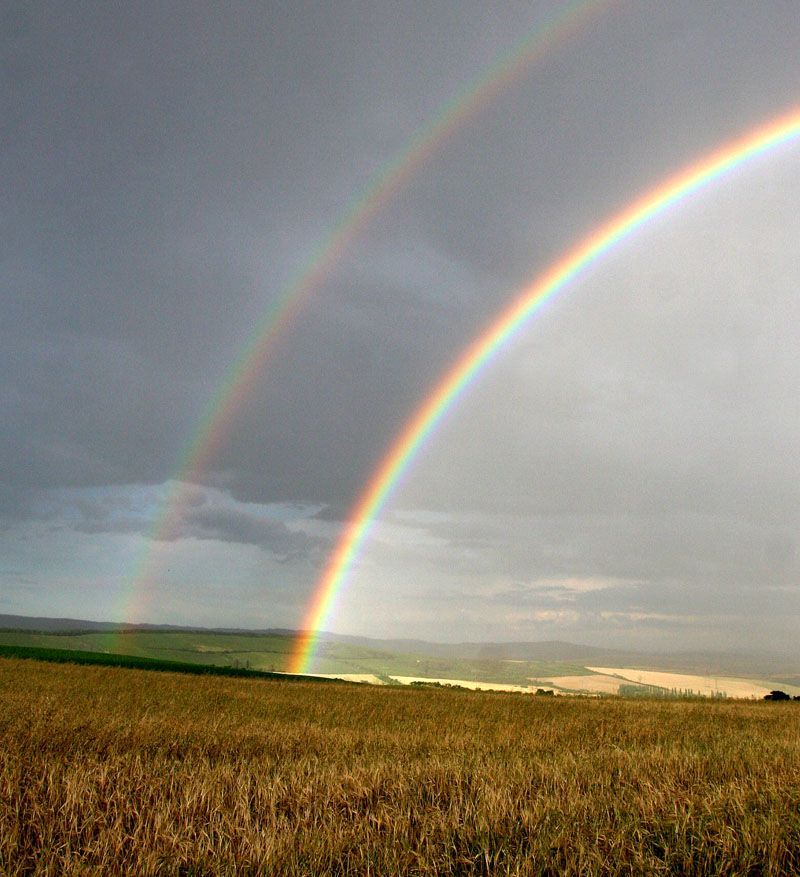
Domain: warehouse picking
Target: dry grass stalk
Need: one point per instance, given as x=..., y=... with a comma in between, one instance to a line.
x=111, y=771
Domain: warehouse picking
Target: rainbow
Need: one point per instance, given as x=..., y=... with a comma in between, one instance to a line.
x=488, y=344
x=242, y=375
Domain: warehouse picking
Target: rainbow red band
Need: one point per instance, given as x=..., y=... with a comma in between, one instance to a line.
x=487, y=345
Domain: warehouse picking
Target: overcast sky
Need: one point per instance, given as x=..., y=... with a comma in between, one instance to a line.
x=625, y=473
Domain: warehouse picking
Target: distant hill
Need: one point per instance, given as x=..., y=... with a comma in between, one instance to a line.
x=62, y=625
x=73, y=625
x=730, y=663
x=365, y=650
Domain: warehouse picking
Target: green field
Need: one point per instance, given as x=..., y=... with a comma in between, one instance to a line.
x=131, y=662
x=270, y=653
x=108, y=770
x=465, y=664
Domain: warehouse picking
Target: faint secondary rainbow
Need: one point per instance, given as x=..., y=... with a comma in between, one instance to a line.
x=487, y=345
x=243, y=373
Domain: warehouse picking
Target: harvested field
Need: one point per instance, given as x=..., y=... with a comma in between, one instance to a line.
x=708, y=686
x=592, y=683
x=109, y=771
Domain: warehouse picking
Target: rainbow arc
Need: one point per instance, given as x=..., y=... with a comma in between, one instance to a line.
x=483, y=349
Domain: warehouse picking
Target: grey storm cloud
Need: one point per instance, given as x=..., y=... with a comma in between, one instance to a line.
x=198, y=514
x=235, y=525
x=170, y=172
x=161, y=173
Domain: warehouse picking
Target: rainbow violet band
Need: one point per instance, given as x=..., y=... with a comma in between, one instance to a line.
x=244, y=372
x=489, y=343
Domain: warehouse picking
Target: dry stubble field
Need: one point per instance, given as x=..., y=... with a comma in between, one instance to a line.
x=106, y=771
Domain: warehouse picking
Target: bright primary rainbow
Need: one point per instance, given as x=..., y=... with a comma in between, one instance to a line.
x=488, y=344
x=243, y=373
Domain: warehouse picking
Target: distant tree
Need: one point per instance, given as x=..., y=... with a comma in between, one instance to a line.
x=777, y=695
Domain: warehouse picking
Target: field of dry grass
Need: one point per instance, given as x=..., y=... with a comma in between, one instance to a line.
x=108, y=770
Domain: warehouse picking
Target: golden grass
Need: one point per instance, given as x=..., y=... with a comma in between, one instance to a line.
x=109, y=771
